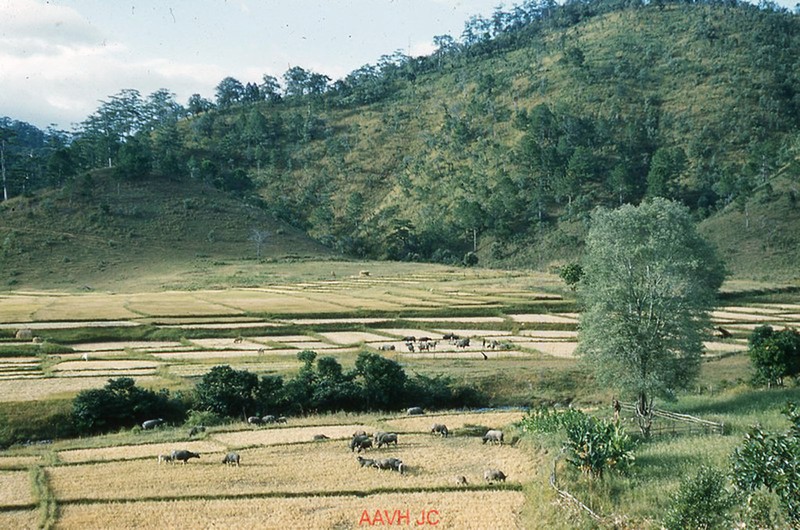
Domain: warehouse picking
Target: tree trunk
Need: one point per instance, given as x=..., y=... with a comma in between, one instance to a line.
x=644, y=414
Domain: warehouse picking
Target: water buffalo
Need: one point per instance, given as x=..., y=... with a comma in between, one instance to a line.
x=462, y=343
x=183, y=455
x=410, y=338
x=492, y=475
x=357, y=442
x=163, y=459
x=386, y=347
x=359, y=433
x=390, y=463
x=415, y=411
x=269, y=418
x=386, y=439
x=461, y=480
x=493, y=436
x=363, y=445
x=365, y=462
x=231, y=458
x=254, y=420
x=410, y=346
x=281, y=419
x=440, y=428
x=197, y=429
x=450, y=336
x=152, y=424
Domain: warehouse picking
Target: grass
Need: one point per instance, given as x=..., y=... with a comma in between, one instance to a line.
x=498, y=509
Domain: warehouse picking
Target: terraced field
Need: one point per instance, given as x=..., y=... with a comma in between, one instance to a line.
x=284, y=475
x=509, y=318
x=517, y=325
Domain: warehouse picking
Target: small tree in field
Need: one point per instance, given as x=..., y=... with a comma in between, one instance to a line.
x=649, y=281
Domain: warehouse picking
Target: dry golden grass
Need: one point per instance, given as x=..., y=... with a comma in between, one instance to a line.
x=86, y=307
x=219, y=354
x=17, y=461
x=545, y=334
x=127, y=345
x=249, y=438
x=538, y=318
x=20, y=307
x=264, y=301
x=300, y=468
x=15, y=488
x=717, y=347
x=18, y=361
x=131, y=452
x=352, y=337
x=474, y=320
x=27, y=390
x=105, y=365
x=19, y=519
x=177, y=303
x=467, y=510
x=556, y=349
x=495, y=420
x=227, y=344
x=731, y=316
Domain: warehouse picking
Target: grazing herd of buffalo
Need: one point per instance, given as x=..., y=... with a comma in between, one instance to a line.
x=413, y=343
x=359, y=441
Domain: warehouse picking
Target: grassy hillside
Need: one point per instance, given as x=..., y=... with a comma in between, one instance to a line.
x=502, y=145
x=104, y=231
x=511, y=142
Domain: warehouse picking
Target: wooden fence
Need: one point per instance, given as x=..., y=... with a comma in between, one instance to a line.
x=678, y=423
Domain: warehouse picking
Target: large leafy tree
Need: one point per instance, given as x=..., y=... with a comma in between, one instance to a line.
x=649, y=280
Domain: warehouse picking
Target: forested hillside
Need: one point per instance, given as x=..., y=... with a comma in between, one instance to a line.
x=502, y=141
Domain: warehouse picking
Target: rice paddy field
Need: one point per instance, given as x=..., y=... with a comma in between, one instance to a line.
x=522, y=331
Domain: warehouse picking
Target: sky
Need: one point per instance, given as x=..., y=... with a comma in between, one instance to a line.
x=60, y=58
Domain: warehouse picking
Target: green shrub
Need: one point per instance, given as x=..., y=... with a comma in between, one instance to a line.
x=122, y=404
x=545, y=420
x=596, y=445
x=701, y=502
x=203, y=417
x=772, y=461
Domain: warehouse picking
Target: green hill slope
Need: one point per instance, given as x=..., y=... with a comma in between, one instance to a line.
x=104, y=232
x=512, y=141
x=501, y=145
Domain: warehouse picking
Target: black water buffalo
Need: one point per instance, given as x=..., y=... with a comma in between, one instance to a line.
x=415, y=411
x=254, y=420
x=183, y=455
x=358, y=441
x=440, y=428
x=390, y=463
x=365, y=462
x=386, y=439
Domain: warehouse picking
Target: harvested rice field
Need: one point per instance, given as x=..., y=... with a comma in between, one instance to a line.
x=15, y=489
x=431, y=462
x=466, y=510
